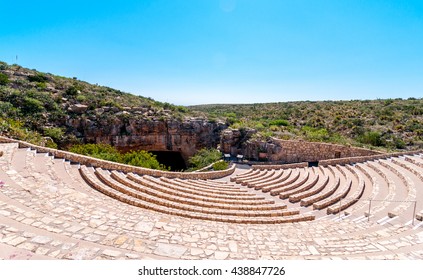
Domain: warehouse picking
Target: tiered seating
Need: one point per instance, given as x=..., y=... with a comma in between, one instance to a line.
x=352, y=198
x=168, y=191
x=187, y=207
x=326, y=192
x=290, y=180
x=304, y=178
x=48, y=211
x=410, y=189
x=311, y=182
x=317, y=188
x=338, y=194
x=247, y=174
x=284, y=175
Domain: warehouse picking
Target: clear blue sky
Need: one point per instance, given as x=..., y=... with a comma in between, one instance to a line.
x=231, y=51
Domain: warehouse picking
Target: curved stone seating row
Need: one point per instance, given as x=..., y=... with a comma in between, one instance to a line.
x=183, y=187
x=310, y=192
x=253, y=176
x=162, y=191
x=334, y=198
x=250, y=172
x=283, y=177
x=200, y=186
x=331, y=188
x=417, y=160
x=276, y=190
x=176, y=201
x=265, y=176
x=352, y=198
x=301, y=189
x=214, y=184
x=410, y=166
x=294, y=176
x=133, y=197
x=372, y=188
x=277, y=174
x=334, y=192
x=410, y=188
x=387, y=184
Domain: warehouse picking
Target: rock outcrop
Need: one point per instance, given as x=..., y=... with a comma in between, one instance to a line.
x=129, y=132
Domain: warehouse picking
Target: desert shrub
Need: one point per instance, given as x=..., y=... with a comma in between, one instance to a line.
x=39, y=78
x=31, y=106
x=101, y=151
x=279, y=122
x=55, y=133
x=315, y=134
x=4, y=79
x=3, y=65
x=142, y=159
x=41, y=85
x=81, y=98
x=72, y=91
x=220, y=165
x=203, y=158
x=107, y=152
x=373, y=138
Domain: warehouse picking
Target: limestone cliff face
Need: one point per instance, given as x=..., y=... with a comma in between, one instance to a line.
x=130, y=133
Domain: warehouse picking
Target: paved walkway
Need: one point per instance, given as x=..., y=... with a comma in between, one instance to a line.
x=48, y=212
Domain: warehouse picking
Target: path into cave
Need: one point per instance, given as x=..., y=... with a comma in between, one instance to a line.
x=171, y=159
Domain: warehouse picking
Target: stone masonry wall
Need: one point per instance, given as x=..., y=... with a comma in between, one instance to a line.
x=89, y=161
x=289, y=151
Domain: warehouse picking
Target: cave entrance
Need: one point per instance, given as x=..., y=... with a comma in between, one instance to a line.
x=313, y=164
x=171, y=159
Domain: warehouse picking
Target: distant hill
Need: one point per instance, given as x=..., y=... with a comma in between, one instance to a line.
x=387, y=124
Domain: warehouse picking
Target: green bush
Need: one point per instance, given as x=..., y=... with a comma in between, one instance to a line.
x=39, y=78
x=279, y=122
x=220, y=165
x=101, y=151
x=4, y=79
x=3, y=65
x=203, y=158
x=55, y=133
x=107, y=152
x=31, y=106
x=373, y=138
x=142, y=159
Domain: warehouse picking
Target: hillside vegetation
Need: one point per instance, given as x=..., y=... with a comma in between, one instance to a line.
x=40, y=108
x=389, y=124
x=37, y=107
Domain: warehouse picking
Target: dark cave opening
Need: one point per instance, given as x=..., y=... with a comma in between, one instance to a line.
x=171, y=159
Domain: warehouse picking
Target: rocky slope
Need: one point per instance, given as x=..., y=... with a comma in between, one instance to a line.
x=68, y=110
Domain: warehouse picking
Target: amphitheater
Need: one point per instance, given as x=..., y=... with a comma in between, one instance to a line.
x=58, y=205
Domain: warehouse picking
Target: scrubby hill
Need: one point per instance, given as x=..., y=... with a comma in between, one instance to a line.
x=387, y=124
x=35, y=104
x=48, y=109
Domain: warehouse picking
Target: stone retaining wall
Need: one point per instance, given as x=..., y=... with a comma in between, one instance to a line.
x=351, y=160
x=300, y=151
x=280, y=166
x=89, y=161
x=291, y=151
